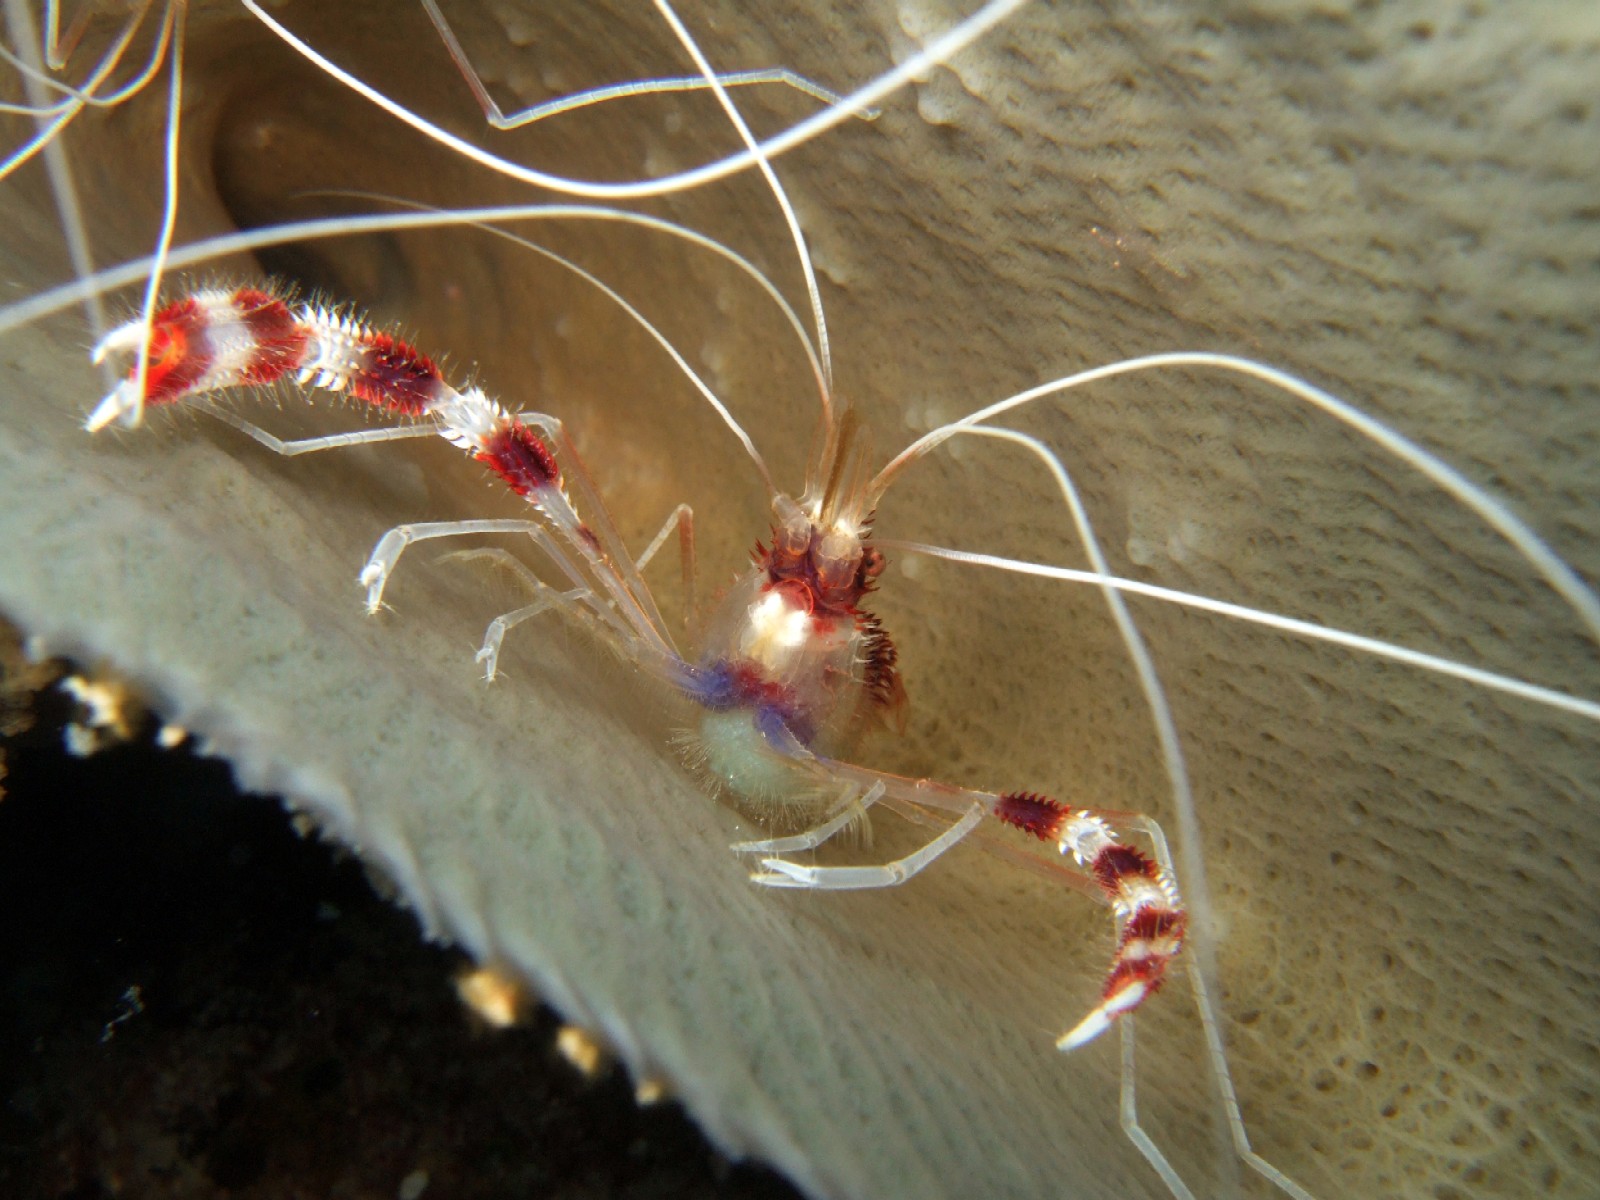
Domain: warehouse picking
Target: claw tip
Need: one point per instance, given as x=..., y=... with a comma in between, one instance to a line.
x=1085, y=1031
x=119, y=405
x=124, y=337
x=1099, y=1020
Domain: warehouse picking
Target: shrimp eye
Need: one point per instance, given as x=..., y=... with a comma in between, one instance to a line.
x=837, y=556
x=791, y=534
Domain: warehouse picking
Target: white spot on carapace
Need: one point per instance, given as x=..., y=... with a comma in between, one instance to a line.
x=774, y=625
x=413, y=1185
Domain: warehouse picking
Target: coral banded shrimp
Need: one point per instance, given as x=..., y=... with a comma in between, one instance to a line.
x=1316, y=703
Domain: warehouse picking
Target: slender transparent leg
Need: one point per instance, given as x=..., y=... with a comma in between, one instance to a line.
x=503, y=559
x=1130, y=1120
x=580, y=602
x=682, y=519
x=848, y=810
x=389, y=548
x=489, y=654
x=786, y=874
x=332, y=441
x=498, y=119
x=380, y=566
x=1219, y=1055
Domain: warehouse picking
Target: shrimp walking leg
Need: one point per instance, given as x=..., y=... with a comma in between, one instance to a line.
x=332, y=441
x=381, y=563
x=681, y=520
x=1141, y=890
x=579, y=602
x=851, y=808
x=489, y=654
x=780, y=873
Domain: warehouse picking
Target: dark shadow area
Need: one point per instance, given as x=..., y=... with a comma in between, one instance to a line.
x=196, y=1002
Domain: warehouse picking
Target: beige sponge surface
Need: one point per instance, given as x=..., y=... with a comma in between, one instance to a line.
x=1397, y=202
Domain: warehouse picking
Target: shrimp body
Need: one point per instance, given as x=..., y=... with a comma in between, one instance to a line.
x=793, y=663
x=794, y=667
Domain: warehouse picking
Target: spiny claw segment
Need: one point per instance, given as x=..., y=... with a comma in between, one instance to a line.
x=1140, y=891
x=131, y=336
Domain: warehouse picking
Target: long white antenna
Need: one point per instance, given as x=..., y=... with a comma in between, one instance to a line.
x=860, y=101
x=771, y=176
x=1496, y=514
x=1589, y=710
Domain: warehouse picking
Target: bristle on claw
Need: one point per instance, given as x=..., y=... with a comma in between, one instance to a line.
x=1032, y=813
x=517, y=455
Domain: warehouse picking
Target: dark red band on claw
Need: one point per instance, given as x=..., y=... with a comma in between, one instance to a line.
x=518, y=456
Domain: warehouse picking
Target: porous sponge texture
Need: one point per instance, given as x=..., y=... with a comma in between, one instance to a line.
x=1396, y=204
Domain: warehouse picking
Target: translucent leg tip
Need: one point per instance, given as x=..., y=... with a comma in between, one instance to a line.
x=373, y=578
x=122, y=405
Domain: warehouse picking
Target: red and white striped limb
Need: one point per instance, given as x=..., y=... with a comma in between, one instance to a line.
x=1140, y=890
x=216, y=339
x=219, y=338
